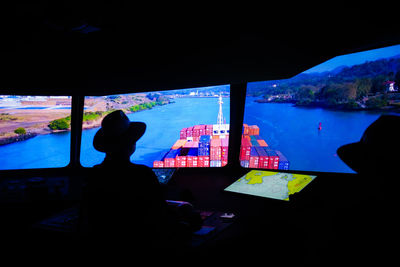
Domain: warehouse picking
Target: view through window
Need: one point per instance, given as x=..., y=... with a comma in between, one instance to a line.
x=299, y=123
x=185, y=128
x=34, y=131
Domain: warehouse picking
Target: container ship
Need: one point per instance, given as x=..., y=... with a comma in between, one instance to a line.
x=207, y=146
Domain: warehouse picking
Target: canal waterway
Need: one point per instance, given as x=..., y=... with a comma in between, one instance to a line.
x=292, y=130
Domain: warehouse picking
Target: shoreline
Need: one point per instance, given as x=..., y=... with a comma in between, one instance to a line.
x=86, y=125
x=339, y=107
x=16, y=138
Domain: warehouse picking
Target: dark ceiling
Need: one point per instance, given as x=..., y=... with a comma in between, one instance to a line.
x=92, y=48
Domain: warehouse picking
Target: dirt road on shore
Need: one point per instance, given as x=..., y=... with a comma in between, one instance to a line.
x=35, y=120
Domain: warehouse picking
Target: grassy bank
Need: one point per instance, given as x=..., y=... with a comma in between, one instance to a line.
x=27, y=125
x=93, y=116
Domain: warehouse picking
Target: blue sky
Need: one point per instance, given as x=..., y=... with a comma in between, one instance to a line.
x=356, y=58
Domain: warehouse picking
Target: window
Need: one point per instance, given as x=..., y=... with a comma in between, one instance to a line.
x=299, y=123
x=181, y=126
x=34, y=131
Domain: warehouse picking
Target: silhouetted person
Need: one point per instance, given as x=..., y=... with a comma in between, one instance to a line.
x=371, y=225
x=353, y=217
x=377, y=151
x=124, y=200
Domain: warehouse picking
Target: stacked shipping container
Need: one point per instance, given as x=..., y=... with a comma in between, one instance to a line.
x=198, y=146
x=255, y=153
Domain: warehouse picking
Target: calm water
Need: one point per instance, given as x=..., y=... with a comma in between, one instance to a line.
x=284, y=127
x=42, y=151
x=294, y=131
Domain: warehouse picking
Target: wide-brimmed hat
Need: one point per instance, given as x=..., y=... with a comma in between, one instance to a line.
x=379, y=147
x=116, y=130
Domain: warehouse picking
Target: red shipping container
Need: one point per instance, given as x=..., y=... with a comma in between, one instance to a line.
x=203, y=161
x=245, y=150
x=224, y=148
x=202, y=130
x=158, y=164
x=276, y=163
x=247, y=137
x=196, y=131
x=169, y=163
x=209, y=130
x=263, y=158
x=253, y=159
x=262, y=143
x=215, y=142
x=199, y=130
x=215, y=149
x=263, y=162
x=180, y=162
x=192, y=161
x=273, y=160
x=254, y=130
x=183, y=134
x=253, y=162
x=189, y=132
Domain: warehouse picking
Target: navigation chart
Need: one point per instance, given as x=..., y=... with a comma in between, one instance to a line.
x=276, y=185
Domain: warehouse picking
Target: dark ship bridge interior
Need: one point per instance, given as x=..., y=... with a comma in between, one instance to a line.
x=81, y=49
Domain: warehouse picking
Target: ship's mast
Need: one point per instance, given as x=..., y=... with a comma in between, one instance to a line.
x=220, y=119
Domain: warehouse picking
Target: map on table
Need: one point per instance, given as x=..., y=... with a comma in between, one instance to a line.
x=276, y=185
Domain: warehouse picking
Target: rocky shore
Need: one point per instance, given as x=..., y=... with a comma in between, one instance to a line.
x=16, y=138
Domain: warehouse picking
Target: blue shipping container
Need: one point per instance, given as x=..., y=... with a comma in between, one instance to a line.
x=244, y=163
x=283, y=162
x=204, y=139
x=193, y=152
x=253, y=152
x=254, y=143
x=215, y=163
x=261, y=151
x=173, y=153
x=204, y=152
x=282, y=158
x=270, y=152
x=204, y=145
x=283, y=167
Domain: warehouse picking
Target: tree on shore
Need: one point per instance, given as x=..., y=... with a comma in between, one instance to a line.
x=20, y=130
x=350, y=86
x=59, y=124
